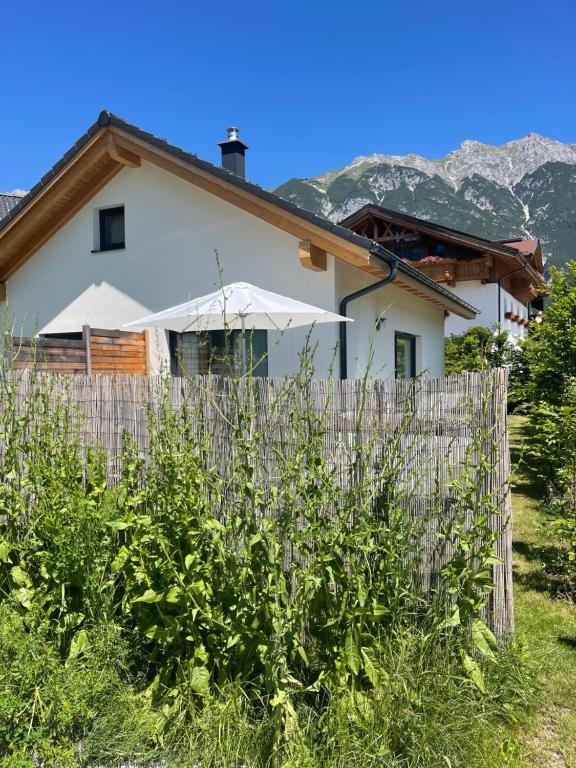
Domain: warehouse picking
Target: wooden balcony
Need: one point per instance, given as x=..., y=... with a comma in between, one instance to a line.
x=452, y=271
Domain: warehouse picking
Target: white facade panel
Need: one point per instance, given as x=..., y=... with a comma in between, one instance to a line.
x=485, y=298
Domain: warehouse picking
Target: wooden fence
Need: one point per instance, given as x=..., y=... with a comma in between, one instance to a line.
x=94, y=351
x=435, y=425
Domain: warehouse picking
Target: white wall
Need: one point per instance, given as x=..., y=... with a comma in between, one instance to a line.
x=510, y=304
x=172, y=231
x=485, y=298
x=401, y=313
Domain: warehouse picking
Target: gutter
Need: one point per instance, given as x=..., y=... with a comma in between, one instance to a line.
x=423, y=279
x=392, y=261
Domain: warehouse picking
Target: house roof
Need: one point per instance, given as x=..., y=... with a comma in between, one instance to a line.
x=527, y=247
x=111, y=144
x=506, y=248
x=9, y=200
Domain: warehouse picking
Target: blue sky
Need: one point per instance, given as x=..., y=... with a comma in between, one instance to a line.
x=311, y=84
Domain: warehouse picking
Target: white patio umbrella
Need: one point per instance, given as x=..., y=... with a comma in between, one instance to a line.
x=238, y=306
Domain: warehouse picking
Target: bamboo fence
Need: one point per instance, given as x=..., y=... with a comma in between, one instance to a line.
x=435, y=425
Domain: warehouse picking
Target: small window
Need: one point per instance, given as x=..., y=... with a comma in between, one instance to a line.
x=219, y=352
x=112, y=228
x=405, y=355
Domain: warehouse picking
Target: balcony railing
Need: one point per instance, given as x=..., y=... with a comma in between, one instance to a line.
x=452, y=271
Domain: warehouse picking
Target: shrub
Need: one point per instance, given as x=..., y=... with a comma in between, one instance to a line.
x=64, y=713
x=478, y=349
x=550, y=367
x=550, y=350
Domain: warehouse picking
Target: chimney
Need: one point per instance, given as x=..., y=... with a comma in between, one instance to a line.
x=233, y=151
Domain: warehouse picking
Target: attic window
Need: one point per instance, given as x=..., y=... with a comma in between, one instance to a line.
x=112, y=228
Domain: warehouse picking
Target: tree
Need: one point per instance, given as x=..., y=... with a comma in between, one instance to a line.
x=478, y=348
x=550, y=350
x=550, y=373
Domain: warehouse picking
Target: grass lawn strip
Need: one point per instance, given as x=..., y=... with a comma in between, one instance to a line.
x=544, y=624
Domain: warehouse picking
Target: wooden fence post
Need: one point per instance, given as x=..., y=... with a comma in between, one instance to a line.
x=147, y=352
x=86, y=337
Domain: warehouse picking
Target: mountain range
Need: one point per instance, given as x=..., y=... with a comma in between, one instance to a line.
x=524, y=188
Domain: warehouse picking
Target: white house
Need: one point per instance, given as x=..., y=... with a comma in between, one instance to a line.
x=126, y=224
x=502, y=278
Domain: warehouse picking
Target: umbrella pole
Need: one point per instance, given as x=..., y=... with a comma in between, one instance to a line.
x=243, y=321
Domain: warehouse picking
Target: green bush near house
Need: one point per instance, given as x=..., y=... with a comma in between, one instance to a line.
x=550, y=387
x=469, y=351
x=479, y=349
x=550, y=351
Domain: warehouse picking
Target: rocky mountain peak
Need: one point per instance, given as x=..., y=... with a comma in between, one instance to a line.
x=523, y=188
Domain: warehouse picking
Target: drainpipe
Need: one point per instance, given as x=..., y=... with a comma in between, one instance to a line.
x=392, y=262
x=499, y=281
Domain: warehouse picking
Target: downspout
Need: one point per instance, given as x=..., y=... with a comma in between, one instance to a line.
x=499, y=281
x=392, y=262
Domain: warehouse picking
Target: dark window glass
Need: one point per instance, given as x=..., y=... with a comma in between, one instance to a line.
x=226, y=351
x=112, y=228
x=219, y=352
x=405, y=355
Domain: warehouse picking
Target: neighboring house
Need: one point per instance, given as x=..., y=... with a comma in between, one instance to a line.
x=501, y=278
x=9, y=200
x=126, y=224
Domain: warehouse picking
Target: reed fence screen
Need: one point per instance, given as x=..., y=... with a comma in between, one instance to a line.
x=433, y=424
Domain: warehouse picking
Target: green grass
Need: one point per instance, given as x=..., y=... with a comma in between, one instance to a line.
x=545, y=623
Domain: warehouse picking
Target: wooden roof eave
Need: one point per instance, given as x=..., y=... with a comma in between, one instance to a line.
x=416, y=288
x=348, y=252
x=61, y=196
x=537, y=259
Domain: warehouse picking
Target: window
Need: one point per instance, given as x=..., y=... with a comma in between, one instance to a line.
x=188, y=353
x=219, y=352
x=405, y=355
x=111, y=228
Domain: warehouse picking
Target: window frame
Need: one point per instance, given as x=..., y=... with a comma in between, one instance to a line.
x=102, y=214
x=211, y=346
x=412, y=354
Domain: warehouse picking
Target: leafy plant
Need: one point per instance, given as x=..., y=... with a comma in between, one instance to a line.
x=550, y=350
x=550, y=354
x=478, y=349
